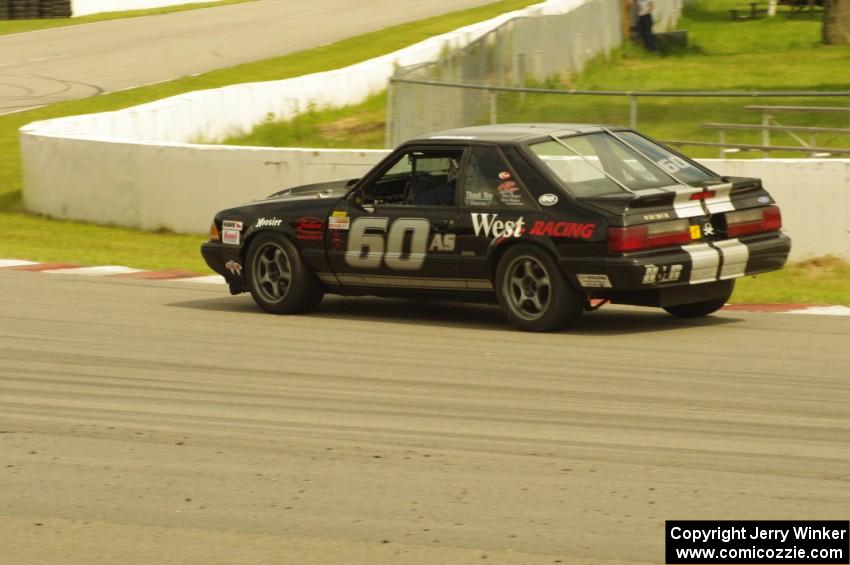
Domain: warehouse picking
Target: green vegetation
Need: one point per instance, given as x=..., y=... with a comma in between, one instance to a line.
x=47, y=239
x=326, y=128
x=824, y=280
x=18, y=26
x=780, y=53
x=39, y=239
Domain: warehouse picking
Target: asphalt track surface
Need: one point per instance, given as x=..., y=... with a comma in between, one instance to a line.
x=46, y=66
x=167, y=422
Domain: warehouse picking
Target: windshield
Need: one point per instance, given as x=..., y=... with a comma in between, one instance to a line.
x=600, y=163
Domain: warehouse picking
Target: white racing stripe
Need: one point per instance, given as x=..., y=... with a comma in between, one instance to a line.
x=735, y=257
x=682, y=203
x=721, y=201
x=704, y=262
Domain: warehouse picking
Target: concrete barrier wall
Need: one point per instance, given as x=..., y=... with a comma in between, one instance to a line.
x=173, y=186
x=86, y=7
x=180, y=187
x=814, y=195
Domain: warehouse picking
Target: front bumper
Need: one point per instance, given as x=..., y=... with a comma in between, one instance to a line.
x=219, y=257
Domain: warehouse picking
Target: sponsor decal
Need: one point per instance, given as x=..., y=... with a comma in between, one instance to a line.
x=509, y=193
x=508, y=186
x=231, y=225
x=268, y=222
x=656, y=216
x=309, y=228
x=664, y=273
x=482, y=198
x=403, y=244
x=488, y=225
x=594, y=281
x=234, y=268
x=339, y=214
x=339, y=222
x=511, y=199
x=548, y=199
x=563, y=229
x=696, y=233
x=230, y=237
x=442, y=242
x=707, y=228
x=336, y=240
x=764, y=199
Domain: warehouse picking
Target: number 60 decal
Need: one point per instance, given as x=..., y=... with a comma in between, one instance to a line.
x=366, y=250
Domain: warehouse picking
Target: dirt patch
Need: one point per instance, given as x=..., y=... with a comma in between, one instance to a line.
x=350, y=125
x=825, y=262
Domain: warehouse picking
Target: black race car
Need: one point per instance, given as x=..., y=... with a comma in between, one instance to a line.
x=547, y=219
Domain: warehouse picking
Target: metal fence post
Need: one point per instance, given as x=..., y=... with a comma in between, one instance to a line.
x=633, y=111
x=494, y=111
x=388, y=129
x=765, y=134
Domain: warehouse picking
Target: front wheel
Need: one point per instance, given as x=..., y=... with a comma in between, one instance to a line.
x=533, y=293
x=279, y=280
x=704, y=308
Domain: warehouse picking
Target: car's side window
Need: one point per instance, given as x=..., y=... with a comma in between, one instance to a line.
x=418, y=178
x=488, y=182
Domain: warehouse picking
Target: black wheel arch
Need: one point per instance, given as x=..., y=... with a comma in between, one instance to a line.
x=547, y=245
x=285, y=230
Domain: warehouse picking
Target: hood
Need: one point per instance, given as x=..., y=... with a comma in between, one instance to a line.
x=332, y=189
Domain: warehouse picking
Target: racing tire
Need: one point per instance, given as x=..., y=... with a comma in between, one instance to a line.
x=279, y=280
x=704, y=308
x=533, y=293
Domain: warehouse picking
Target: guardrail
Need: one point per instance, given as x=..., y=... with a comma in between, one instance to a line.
x=490, y=106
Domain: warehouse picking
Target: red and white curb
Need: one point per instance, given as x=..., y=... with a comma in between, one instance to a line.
x=112, y=271
x=117, y=271
x=816, y=309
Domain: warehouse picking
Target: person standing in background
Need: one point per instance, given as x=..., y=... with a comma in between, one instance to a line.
x=644, y=17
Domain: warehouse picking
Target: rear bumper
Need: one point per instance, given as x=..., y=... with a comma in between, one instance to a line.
x=697, y=265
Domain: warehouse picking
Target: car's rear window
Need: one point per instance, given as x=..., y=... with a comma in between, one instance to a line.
x=600, y=163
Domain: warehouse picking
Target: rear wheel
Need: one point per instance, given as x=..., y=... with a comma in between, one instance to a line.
x=279, y=280
x=704, y=308
x=533, y=293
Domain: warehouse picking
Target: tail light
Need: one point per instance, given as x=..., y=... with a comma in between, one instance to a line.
x=214, y=236
x=756, y=220
x=646, y=236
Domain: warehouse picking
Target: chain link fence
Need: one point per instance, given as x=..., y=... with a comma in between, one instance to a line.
x=546, y=49
x=717, y=122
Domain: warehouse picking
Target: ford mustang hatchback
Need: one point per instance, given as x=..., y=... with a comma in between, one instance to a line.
x=545, y=219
